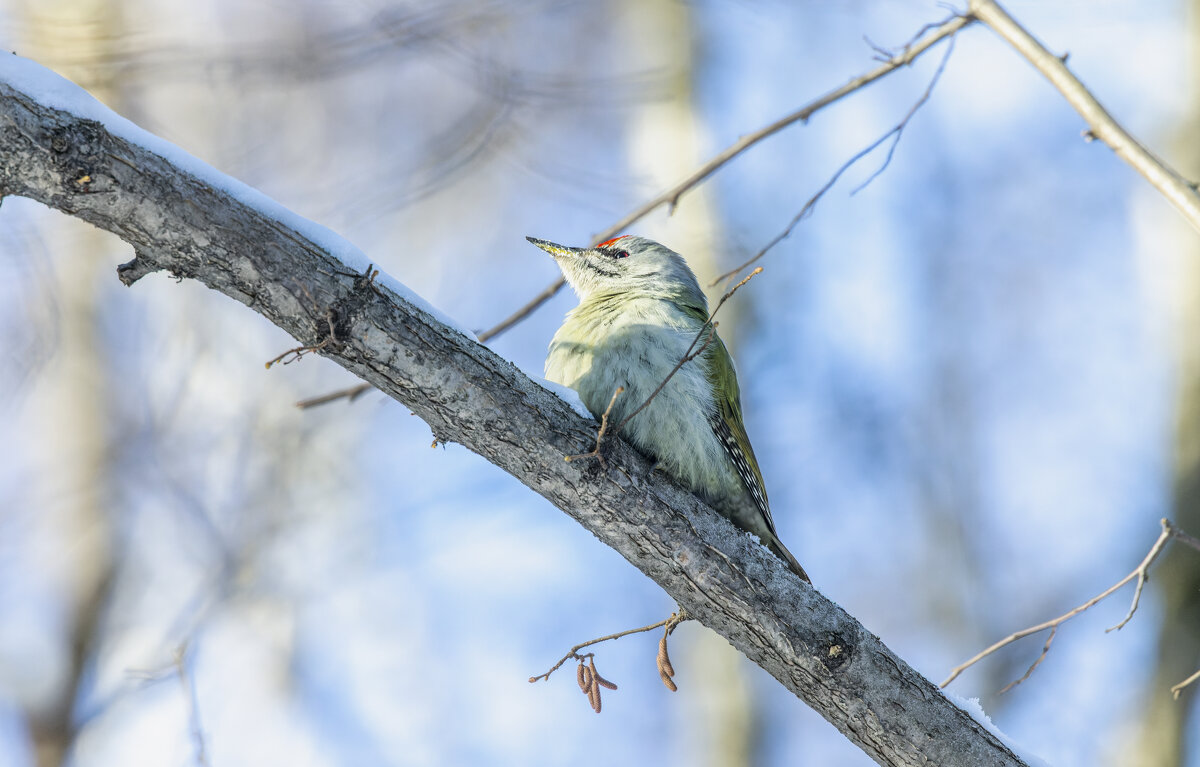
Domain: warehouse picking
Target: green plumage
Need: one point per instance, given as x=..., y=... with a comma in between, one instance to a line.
x=640, y=309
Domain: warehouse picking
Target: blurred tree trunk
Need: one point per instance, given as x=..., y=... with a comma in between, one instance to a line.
x=946, y=439
x=1161, y=738
x=665, y=144
x=72, y=489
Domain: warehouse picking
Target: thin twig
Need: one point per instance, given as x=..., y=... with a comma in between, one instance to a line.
x=351, y=393
x=689, y=355
x=193, y=703
x=1179, y=191
x=595, y=453
x=897, y=131
x=549, y=292
x=1177, y=689
x=1184, y=538
x=573, y=653
x=1033, y=666
x=1141, y=573
x=909, y=53
x=894, y=133
x=300, y=351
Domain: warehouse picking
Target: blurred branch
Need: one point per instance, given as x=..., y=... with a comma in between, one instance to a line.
x=188, y=683
x=54, y=733
x=1177, y=690
x=1179, y=191
x=180, y=223
x=350, y=393
x=1141, y=573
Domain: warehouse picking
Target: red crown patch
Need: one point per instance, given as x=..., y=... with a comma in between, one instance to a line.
x=606, y=243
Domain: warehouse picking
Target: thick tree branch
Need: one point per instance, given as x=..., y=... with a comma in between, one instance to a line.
x=185, y=219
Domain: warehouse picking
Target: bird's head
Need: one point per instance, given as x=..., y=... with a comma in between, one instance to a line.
x=624, y=265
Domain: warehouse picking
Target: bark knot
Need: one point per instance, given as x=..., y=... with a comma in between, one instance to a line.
x=74, y=148
x=838, y=650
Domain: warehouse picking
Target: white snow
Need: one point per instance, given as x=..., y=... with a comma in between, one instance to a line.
x=972, y=707
x=565, y=393
x=48, y=88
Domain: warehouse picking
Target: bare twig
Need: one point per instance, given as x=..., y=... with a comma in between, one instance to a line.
x=689, y=355
x=1141, y=573
x=300, y=351
x=595, y=453
x=926, y=38
x=1185, y=539
x=1033, y=666
x=894, y=133
x=351, y=393
x=549, y=292
x=588, y=677
x=1177, y=689
x=193, y=703
x=573, y=653
x=1179, y=191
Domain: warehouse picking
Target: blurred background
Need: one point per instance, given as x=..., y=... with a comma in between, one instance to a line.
x=973, y=386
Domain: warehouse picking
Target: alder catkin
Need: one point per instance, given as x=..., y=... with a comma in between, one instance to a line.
x=664, y=660
x=669, y=682
x=665, y=670
x=594, y=698
x=599, y=679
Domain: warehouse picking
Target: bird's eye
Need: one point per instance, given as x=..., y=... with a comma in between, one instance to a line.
x=621, y=254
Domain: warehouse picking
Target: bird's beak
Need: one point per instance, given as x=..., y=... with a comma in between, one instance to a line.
x=558, y=251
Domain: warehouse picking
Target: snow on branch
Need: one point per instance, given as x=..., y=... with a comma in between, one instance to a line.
x=60, y=147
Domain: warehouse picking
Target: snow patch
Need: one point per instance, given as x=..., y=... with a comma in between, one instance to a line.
x=972, y=707
x=566, y=394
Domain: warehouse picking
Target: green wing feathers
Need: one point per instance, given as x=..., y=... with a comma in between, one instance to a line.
x=728, y=427
x=729, y=410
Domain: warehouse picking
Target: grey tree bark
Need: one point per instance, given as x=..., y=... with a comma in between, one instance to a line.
x=467, y=394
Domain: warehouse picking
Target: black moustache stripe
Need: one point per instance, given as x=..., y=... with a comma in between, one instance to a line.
x=596, y=267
